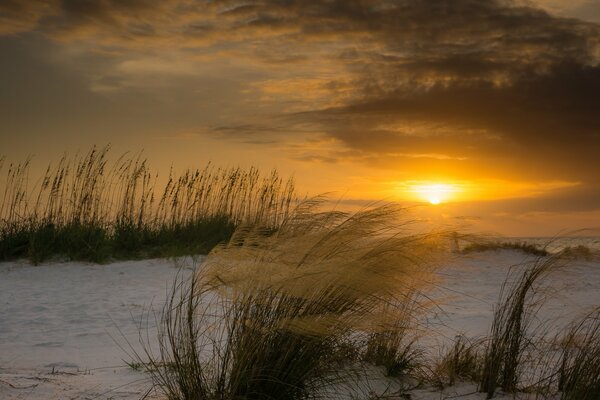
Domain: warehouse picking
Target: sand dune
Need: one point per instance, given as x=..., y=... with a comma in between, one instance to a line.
x=62, y=324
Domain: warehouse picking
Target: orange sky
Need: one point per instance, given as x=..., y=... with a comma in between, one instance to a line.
x=489, y=108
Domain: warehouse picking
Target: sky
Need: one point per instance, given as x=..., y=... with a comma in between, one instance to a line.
x=489, y=108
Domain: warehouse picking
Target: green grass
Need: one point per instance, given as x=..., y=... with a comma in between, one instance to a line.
x=90, y=208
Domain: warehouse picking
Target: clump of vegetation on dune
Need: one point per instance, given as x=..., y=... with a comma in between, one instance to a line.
x=392, y=341
x=579, y=370
x=509, y=338
x=297, y=312
x=271, y=315
x=463, y=361
x=495, y=245
x=580, y=252
x=517, y=356
x=88, y=208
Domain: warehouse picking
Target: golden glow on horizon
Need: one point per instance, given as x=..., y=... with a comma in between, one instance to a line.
x=434, y=193
x=457, y=191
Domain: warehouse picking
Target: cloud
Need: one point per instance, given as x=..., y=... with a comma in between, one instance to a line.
x=549, y=117
x=588, y=10
x=23, y=16
x=498, y=83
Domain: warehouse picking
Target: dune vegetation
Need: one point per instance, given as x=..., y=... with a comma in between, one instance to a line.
x=525, y=247
x=293, y=300
x=271, y=315
x=91, y=208
x=299, y=312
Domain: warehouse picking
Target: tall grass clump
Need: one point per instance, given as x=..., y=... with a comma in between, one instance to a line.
x=581, y=252
x=89, y=207
x=268, y=313
x=579, y=372
x=462, y=361
x=513, y=316
x=392, y=342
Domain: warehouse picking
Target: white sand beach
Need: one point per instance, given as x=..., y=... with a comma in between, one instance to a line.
x=66, y=328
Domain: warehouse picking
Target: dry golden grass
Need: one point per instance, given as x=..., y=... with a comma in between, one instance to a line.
x=509, y=337
x=579, y=372
x=267, y=314
x=92, y=208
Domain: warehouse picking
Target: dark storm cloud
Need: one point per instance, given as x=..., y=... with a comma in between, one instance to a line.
x=555, y=112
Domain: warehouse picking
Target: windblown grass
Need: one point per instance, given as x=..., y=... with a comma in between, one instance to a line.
x=579, y=373
x=509, y=339
x=581, y=252
x=89, y=208
x=392, y=344
x=267, y=314
x=463, y=361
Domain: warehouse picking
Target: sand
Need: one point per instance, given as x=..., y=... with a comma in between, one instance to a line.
x=66, y=328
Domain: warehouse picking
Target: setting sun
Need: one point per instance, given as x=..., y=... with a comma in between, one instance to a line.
x=434, y=193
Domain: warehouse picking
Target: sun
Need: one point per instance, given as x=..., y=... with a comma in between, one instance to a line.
x=433, y=193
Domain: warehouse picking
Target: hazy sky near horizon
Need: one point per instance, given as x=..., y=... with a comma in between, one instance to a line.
x=498, y=100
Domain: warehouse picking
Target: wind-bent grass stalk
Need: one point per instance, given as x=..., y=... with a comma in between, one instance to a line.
x=509, y=339
x=579, y=372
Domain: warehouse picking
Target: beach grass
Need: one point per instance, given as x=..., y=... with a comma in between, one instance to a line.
x=463, y=361
x=91, y=208
x=509, y=333
x=292, y=312
x=272, y=315
x=392, y=343
x=525, y=247
x=579, y=371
